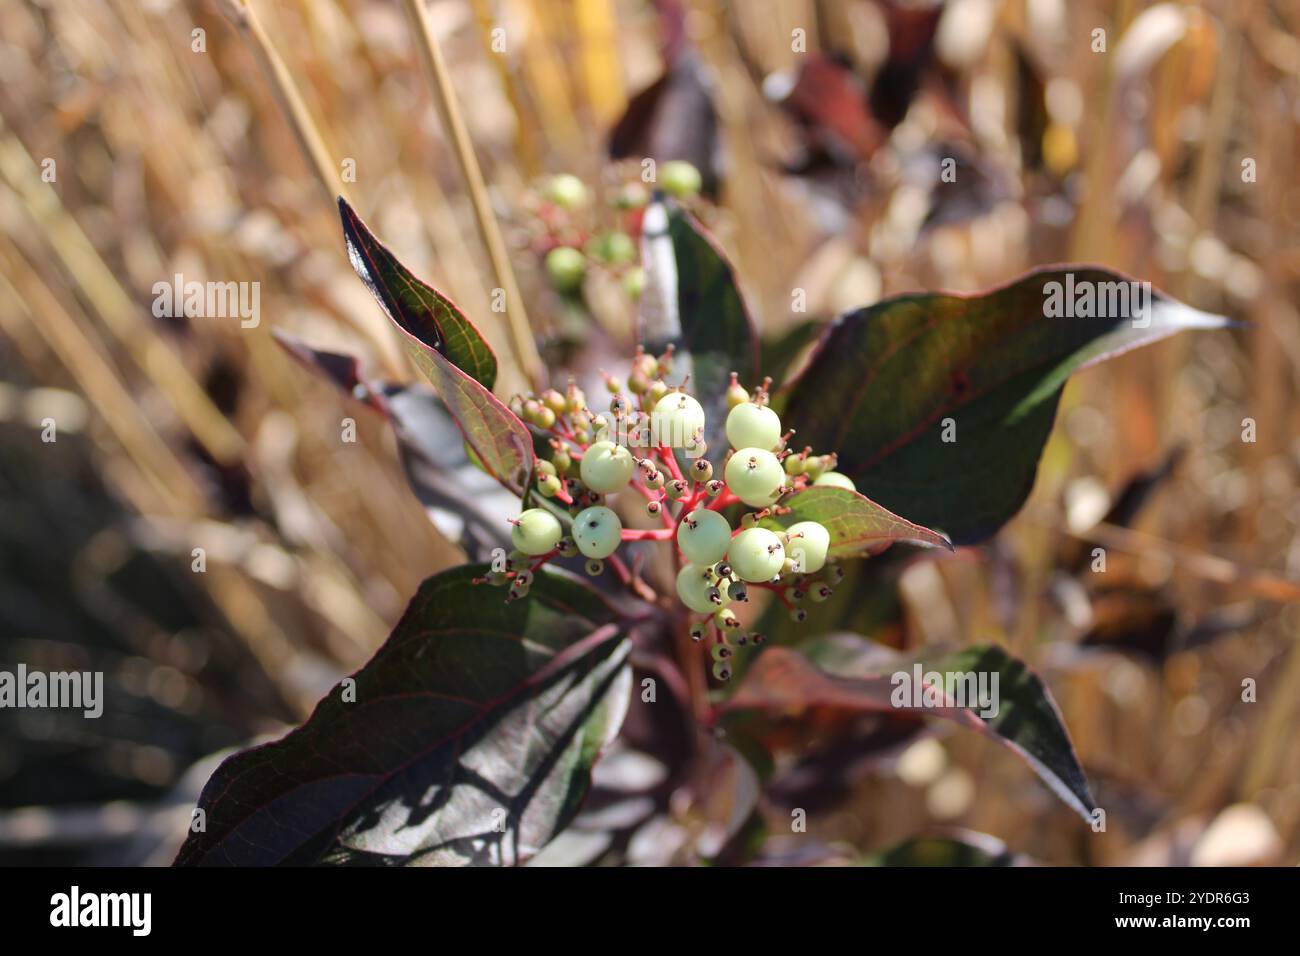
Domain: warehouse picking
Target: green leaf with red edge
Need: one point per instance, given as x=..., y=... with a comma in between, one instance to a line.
x=884, y=379
x=856, y=524
x=467, y=739
x=418, y=309
x=861, y=677
x=449, y=351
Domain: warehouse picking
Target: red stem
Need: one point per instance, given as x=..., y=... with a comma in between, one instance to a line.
x=652, y=534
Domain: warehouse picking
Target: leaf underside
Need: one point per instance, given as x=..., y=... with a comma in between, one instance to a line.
x=469, y=739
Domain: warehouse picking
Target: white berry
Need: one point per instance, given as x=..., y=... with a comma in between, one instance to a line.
x=597, y=531
x=675, y=420
x=606, y=467
x=755, y=476
x=808, y=542
x=756, y=555
x=704, y=536
x=835, y=479
x=753, y=426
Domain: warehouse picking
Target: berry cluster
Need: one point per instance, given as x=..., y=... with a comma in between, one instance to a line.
x=569, y=240
x=651, y=442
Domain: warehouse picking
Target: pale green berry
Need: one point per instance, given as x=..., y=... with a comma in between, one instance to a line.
x=808, y=542
x=726, y=618
x=721, y=670
x=834, y=479
x=720, y=652
x=698, y=592
x=736, y=394
x=545, y=467
x=556, y=402
x=679, y=178
x=753, y=426
x=597, y=531
x=566, y=266
x=756, y=555
x=606, y=467
x=613, y=247
x=536, y=531
x=566, y=191
x=548, y=485
x=794, y=465
x=634, y=282
x=595, y=567
x=704, y=536
x=675, y=419
x=755, y=476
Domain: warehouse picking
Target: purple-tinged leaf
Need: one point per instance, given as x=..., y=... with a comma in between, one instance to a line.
x=418, y=309
x=939, y=405
x=1022, y=716
x=467, y=739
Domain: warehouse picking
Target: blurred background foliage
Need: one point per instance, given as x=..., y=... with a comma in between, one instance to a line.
x=222, y=163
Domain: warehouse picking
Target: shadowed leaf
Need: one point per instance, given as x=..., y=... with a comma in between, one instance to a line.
x=692, y=300
x=467, y=739
x=855, y=678
x=889, y=382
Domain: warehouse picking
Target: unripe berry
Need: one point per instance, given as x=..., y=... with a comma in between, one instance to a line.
x=820, y=592
x=545, y=467
x=567, y=548
x=655, y=481
x=726, y=618
x=594, y=567
x=566, y=191
x=721, y=670
x=606, y=467
x=794, y=465
x=701, y=470
x=755, y=476
x=835, y=479
x=736, y=394
x=703, y=537
x=566, y=267
x=676, y=419
x=597, y=532
x=697, y=632
x=524, y=580
x=548, y=485
x=632, y=196
x=697, y=592
x=616, y=248
x=720, y=652
x=545, y=417
x=714, y=488
x=653, y=508
x=808, y=543
x=798, y=615
x=536, y=531
x=753, y=426
x=634, y=282
x=556, y=402
x=756, y=555
x=679, y=178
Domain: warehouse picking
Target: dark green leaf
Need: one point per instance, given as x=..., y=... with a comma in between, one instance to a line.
x=778, y=355
x=469, y=739
x=419, y=310
x=856, y=523
x=692, y=300
x=885, y=378
x=855, y=677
